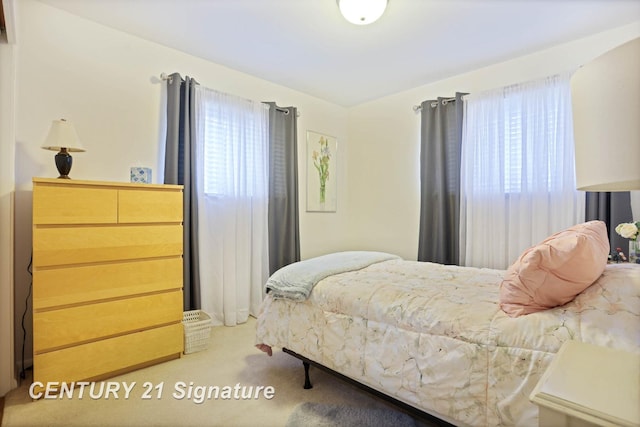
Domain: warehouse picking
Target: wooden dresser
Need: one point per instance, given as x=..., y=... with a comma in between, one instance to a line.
x=107, y=278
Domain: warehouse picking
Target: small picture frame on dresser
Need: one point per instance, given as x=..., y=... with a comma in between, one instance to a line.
x=140, y=175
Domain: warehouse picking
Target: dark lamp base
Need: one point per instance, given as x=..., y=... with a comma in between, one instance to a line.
x=63, y=163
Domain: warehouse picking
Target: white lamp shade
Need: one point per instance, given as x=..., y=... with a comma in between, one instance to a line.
x=605, y=96
x=362, y=12
x=62, y=134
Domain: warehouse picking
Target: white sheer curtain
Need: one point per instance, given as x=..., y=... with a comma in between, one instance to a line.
x=232, y=188
x=517, y=174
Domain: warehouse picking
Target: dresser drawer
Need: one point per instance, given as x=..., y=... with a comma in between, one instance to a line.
x=59, y=328
x=143, y=206
x=109, y=357
x=62, y=204
x=64, y=286
x=86, y=244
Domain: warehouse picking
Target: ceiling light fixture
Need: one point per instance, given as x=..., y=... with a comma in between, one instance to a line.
x=362, y=12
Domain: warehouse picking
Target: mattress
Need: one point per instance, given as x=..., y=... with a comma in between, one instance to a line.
x=433, y=336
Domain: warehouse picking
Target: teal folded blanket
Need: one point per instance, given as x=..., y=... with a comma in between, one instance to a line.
x=296, y=281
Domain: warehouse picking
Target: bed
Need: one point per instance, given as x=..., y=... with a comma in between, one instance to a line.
x=435, y=337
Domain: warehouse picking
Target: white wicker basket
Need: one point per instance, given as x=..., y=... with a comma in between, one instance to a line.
x=197, y=330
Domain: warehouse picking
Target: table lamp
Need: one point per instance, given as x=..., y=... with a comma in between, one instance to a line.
x=63, y=138
x=605, y=96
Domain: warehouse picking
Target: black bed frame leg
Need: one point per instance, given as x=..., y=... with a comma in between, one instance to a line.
x=307, y=381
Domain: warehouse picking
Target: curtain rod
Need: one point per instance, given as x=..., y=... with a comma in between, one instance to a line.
x=286, y=112
x=434, y=104
x=165, y=76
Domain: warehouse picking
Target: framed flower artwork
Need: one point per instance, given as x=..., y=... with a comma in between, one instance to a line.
x=322, y=185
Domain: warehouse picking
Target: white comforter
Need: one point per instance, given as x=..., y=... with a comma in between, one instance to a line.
x=434, y=336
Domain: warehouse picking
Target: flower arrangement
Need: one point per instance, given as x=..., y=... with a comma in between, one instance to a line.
x=628, y=230
x=321, y=163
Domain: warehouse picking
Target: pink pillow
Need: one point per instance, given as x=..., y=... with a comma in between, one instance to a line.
x=553, y=272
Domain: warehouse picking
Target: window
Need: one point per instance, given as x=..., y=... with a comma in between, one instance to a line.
x=519, y=139
x=234, y=132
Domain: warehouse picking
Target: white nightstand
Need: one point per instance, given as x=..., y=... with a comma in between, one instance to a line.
x=587, y=385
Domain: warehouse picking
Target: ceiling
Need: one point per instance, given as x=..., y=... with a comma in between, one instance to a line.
x=306, y=45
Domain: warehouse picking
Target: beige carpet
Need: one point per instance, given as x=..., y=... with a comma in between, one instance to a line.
x=231, y=359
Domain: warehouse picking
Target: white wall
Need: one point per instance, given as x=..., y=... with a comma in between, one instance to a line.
x=384, y=139
x=107, y=83
x=7, y=171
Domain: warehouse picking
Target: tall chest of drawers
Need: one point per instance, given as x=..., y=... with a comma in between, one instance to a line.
x=107, y=278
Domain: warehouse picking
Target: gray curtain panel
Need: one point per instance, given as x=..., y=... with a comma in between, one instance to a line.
x=284, y=235
x=179, y=168
x=612, y=208
x=440, y=148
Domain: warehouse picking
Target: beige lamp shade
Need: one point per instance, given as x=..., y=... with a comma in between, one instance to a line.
x=606, y=120
x=61, y=135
